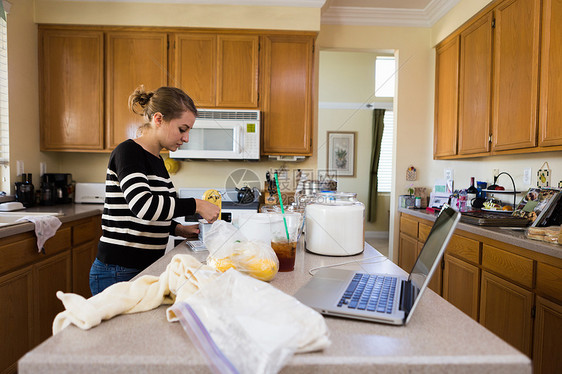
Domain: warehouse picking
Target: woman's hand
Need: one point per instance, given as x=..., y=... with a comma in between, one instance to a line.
x=187, y=231
x=207, y=210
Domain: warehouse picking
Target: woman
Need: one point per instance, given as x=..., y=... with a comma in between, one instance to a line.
x=140, y=199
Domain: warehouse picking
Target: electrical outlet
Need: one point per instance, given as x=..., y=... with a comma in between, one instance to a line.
x=42, y=168
x=449, y=174
x=527, y=176
x=495, y=172
x=19, y=167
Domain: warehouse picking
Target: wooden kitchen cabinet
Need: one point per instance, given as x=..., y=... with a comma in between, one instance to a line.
x=132, y=59
x=16, y=317
x=514, y=292
x=548, y=340
x=516, y=62
x=217, y=70
x=550, y=113
x=505, y=309
x=85, y=239
x=446, y=98
x=29, y=281
x=49, y=276
x=287, y=76
x=461, y=285
x=408, y=252
x=548, y=320
x=475, y=87
x=71, y=90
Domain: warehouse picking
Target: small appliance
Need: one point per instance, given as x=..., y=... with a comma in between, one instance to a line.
x=90, y=193
x=223, y=134
x=56, y=188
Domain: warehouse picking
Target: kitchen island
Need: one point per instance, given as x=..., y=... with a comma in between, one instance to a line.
x=439, y=338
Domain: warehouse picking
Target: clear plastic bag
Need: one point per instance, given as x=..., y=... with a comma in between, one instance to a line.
x=241, y=325
x=228, y=248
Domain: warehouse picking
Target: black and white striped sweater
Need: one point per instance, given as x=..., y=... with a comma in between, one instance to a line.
x=140, y=202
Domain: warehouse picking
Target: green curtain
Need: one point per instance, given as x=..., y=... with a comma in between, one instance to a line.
x=378, y=127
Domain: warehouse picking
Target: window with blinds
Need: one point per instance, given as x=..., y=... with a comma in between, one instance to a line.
x=384, y=174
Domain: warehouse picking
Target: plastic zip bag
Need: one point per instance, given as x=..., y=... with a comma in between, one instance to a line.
x=239, y=323
x=229, y=248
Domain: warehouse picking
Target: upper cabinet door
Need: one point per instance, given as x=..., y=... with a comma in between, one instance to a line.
x=195, y=61
x=475, y=87
x=237, y=71
x=133, y=58
x=71, y=89
x=550, y=116
x=446, y=99
x=287, y=91
x=516, y=61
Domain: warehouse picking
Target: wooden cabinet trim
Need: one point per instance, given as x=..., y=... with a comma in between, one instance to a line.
x=511, y=266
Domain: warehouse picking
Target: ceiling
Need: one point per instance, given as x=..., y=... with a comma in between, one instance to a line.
x=412, y=13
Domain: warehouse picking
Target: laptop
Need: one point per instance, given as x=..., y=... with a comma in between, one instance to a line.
x=383, y=298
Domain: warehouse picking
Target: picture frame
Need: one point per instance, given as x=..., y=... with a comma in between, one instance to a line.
x=342, y=153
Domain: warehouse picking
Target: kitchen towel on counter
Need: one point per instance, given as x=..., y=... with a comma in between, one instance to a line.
x=243, y=325
x=183, y=277
x=45, y=228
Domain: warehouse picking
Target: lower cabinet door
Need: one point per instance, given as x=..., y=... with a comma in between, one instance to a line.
x=407, y=252
x=50, y=276
x=461, y=285
x=82, y=259
x=505, y=309
x=548, y=337
x=16, y=317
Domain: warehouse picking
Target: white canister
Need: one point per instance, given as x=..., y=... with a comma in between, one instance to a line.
x=335, y=225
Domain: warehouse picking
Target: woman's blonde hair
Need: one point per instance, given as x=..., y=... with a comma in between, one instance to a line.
x=172, y=102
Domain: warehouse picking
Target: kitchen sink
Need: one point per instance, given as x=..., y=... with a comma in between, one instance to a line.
x=10, y=218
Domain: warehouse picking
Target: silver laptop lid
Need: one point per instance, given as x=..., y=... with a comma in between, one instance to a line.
x=432, y=250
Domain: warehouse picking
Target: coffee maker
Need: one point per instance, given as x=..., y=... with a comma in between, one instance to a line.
x=56, y=188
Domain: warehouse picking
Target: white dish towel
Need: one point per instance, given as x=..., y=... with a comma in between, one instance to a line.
x=45, y=228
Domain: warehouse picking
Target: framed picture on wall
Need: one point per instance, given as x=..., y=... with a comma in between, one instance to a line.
x=341, y=153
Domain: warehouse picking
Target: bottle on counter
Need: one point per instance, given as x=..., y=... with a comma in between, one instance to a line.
x=25, y=192
x=471, y=193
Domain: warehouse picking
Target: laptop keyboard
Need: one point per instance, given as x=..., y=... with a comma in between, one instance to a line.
x=374, y=293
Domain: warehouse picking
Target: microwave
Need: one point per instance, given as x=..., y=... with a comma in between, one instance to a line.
x=223, y=134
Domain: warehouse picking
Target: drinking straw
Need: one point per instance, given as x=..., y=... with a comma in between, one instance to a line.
x=282, y=209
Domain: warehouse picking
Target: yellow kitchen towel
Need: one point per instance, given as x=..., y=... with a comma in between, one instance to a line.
x=183, y=277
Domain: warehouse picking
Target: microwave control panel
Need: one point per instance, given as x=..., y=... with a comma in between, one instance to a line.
x=251, y=140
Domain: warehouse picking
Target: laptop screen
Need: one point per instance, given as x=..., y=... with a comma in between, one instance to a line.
x=440, y=232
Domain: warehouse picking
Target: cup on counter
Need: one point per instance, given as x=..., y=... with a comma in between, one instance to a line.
x=285, y=230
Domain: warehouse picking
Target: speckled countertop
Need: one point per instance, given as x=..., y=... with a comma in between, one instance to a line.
x=438, y=339
x=67, y=213
x=509, y=235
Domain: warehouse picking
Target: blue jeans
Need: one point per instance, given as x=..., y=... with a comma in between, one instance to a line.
x=104, y=275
